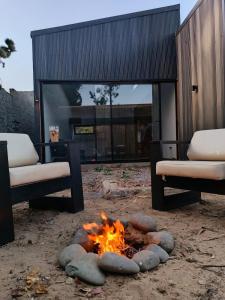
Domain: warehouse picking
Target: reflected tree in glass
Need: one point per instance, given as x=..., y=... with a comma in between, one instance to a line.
x=104, y=95
x=73, y=94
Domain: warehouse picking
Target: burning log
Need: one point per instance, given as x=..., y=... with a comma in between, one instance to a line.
x=108, y=238
x=117, y=246
x=137, y=238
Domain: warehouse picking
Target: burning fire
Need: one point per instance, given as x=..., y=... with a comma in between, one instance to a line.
x=107, y=237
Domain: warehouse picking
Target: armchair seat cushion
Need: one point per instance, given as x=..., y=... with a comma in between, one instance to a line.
x=214, y=170
x=39, y=172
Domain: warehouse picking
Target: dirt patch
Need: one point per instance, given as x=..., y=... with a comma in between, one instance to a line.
x=195, y=271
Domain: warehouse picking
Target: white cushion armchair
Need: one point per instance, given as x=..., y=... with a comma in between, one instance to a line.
x=23, y=178
x=204, y=171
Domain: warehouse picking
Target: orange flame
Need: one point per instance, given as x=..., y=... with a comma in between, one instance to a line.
x=108, y=238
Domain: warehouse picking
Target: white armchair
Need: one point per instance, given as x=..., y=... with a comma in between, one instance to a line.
x=204, y=171
x=23, y=178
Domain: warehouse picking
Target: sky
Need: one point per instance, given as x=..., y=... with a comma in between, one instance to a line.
x=20, y=17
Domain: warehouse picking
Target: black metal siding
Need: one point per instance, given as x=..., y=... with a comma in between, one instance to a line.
x=134, y=47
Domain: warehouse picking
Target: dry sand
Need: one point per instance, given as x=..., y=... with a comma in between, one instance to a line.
x=190, y=274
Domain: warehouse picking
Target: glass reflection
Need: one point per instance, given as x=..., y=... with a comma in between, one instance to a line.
x=111, y=122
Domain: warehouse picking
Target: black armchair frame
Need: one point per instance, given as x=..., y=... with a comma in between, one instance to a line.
x=36, y=193
x=193, y=187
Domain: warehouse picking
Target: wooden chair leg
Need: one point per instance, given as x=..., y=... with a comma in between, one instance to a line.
x=6, y=214
x=157, y=186
x=6, y=224
x=77, y=197
x=158, y=197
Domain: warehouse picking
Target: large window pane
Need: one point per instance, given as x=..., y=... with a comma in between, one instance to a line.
x=132, y=121
x=110, y=122
x=103, y=123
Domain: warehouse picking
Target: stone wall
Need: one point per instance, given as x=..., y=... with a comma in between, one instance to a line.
x=17, y=112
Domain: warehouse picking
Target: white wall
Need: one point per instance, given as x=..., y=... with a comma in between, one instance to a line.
x=168, y=119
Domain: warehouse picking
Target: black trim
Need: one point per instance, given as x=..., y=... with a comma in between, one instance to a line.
x=6, y=215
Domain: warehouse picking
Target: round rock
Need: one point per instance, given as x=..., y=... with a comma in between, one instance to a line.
x=123, y=220
x=86, y=269
x=81, y=237
x=146, y=260
x=115, y=263
x=166, y=240
x=143, y=222
x=69, y=253
x=160, y=252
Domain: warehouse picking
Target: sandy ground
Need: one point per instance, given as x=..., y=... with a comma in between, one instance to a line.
x=196, y=269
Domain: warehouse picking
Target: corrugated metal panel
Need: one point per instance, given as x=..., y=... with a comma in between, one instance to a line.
x=201, y=63
x=134, y=47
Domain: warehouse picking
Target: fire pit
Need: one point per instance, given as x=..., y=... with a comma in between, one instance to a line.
x=116, y=246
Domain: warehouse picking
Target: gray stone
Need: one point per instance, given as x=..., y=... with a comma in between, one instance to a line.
x=165, y=240
x=115, y=263
x=162, y=254
x=112, y=190
x=69, y=253
x=86, y=269
x=146, y=260
x=123, y=220
x=143, y=222
x=81, y=237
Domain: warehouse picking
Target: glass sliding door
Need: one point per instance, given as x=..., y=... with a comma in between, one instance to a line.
x=71, y=108
x=132, y=122
x=112, y=122
x=103, y=122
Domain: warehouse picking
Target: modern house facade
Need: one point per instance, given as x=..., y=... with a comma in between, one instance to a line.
x=109, y=83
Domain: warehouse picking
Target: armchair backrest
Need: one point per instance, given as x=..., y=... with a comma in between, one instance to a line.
x=207, y=145
x=21, y=151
